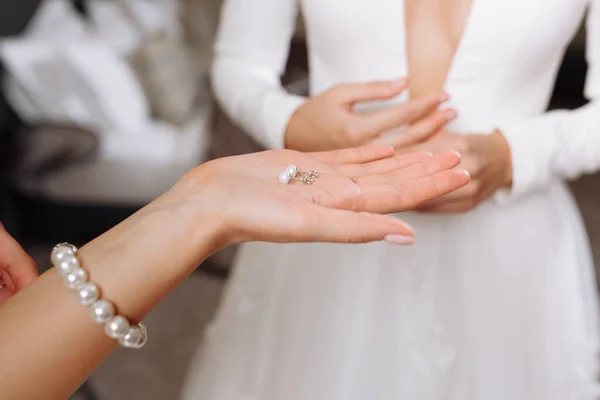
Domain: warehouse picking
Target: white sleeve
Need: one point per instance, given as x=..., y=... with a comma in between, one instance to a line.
x=559, y=144
x=251, y=51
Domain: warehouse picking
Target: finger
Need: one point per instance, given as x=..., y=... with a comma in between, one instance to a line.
x=464, y=194
x=383, y=166
x=7, y=281
x=426, y=167
x=461, y=195
x=342, y=226
x=441, y=141
x=446, y=208
x=23, y=272
x=5, y=294
x=381, y=121
x=419, y=131
x=18, y=269
x=356, y=155
x=463, y=199
x=431, y=165
x=405, y=195
x=369, y=91
x=7, y=286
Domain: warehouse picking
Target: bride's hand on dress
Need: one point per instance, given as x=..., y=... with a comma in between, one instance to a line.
x=328, y=121
x=248, y=202
x=17, y=269
x=487, y=158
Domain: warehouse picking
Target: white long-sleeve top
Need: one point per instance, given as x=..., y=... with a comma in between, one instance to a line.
x=501, y=77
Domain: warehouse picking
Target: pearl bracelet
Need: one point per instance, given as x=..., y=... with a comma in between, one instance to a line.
x=67, y=264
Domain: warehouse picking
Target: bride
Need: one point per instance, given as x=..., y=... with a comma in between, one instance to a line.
x=476, y=310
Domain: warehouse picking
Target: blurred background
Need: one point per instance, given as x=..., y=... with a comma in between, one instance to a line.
x=104, y=104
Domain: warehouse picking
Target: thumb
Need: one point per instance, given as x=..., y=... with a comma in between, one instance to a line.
x=22, y=272
x=369, y=91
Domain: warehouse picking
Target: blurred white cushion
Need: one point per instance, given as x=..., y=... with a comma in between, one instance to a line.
x=131, y=169
x=82, y=82
x=55, y=20
x=114, y=84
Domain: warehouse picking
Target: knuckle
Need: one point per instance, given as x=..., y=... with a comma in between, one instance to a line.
x=356, y=236
x=465, y=143
x=335, y=93
x=474, y=167
x=403, y=198
x=473, y=189
x=422, y=154
x=440, y=119
x=351, y=132
x=461, y=144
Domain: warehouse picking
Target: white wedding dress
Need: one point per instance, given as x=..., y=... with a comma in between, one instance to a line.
x=496, y=304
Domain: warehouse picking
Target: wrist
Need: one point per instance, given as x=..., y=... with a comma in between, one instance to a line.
x=142, y=259
x=506, y=157
x=191, y=213
x=290, y=139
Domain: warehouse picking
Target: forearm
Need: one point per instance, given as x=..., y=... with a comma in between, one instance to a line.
x=250, y=57
x=253, y=97
x=53, y=341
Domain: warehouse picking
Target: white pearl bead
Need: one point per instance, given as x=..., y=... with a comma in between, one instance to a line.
x=67, y=264
x=76, y=278
x=102, y=311
x=133, y=338
x=284, y=177
x=117, y=327
x=292, y=171
x=88, y=293
x=60, y=251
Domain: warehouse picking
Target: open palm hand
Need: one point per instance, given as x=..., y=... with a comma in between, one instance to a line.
x=342, y=205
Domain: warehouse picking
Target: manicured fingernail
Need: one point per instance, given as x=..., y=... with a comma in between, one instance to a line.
x=400, y=240
x=451, y=114
x=457, y=153
x=398, y=84
x=464, y=172
x=444, y=96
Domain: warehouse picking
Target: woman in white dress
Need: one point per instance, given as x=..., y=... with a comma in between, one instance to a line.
x=476, y=309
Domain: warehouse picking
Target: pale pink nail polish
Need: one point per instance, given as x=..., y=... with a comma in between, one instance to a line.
x=457, y=153
x=464, y=172
x=400, y=240
x=444, y=97
x=398, y=84
x=451, y=114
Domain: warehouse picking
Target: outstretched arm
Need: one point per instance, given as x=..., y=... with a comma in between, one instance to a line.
x=48, y=338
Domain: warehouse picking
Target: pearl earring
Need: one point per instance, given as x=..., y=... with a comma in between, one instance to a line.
x=293, y=173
